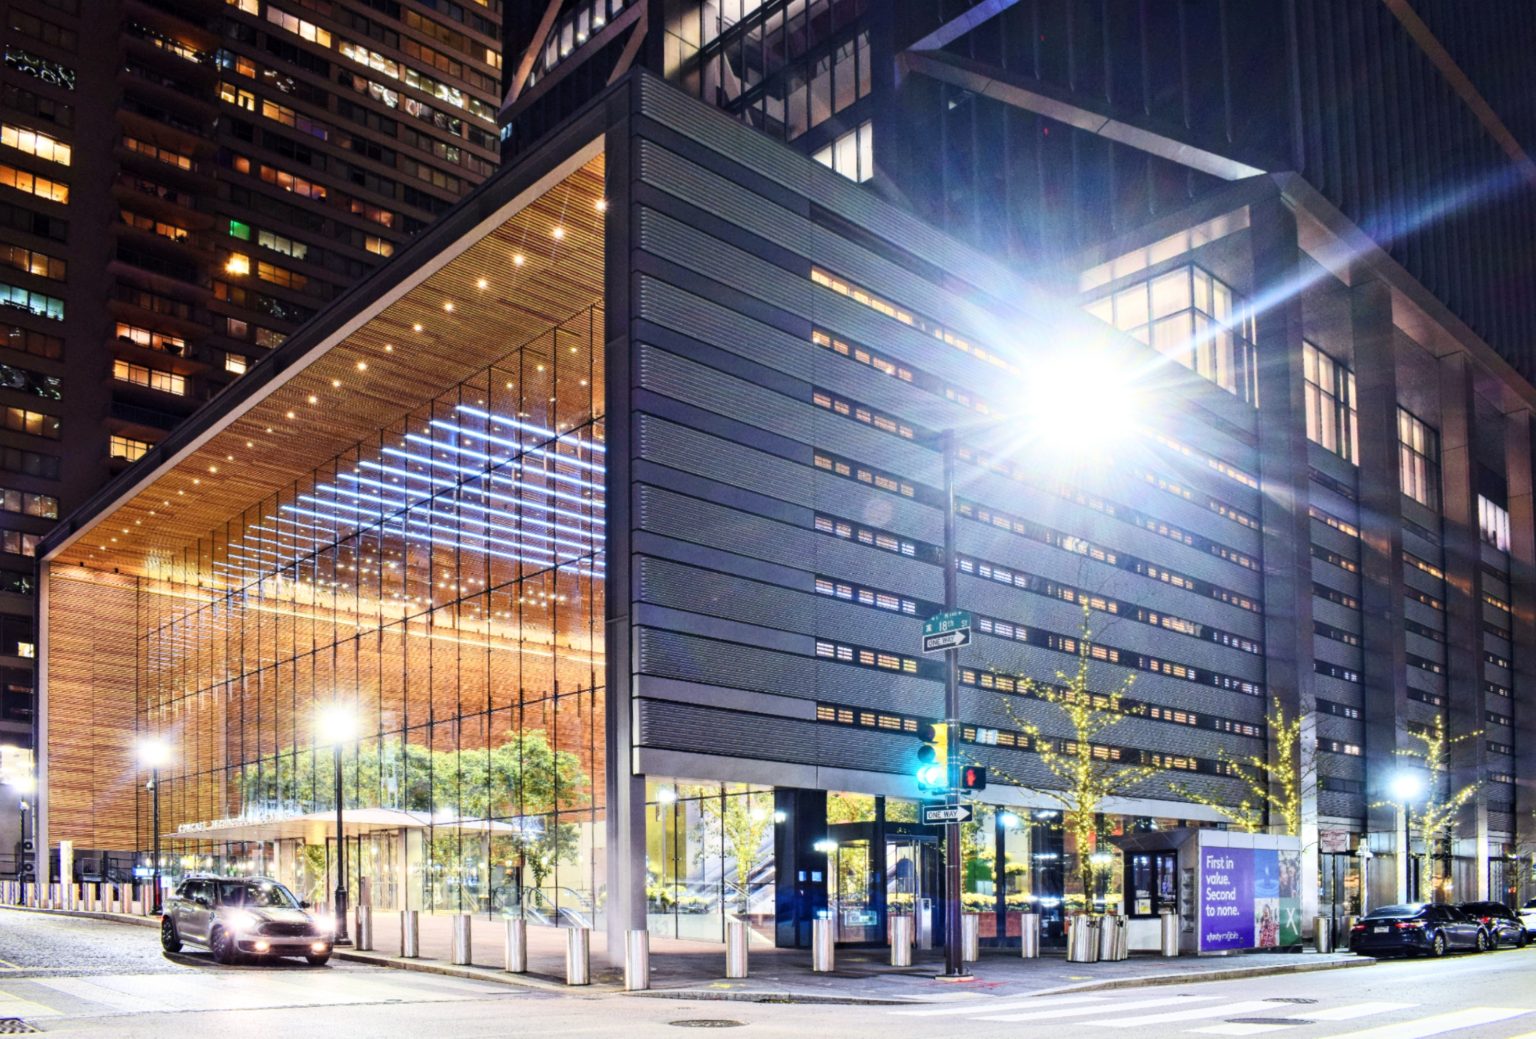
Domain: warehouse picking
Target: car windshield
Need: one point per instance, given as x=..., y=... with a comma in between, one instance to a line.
x=265, y=895
x=1387, y=912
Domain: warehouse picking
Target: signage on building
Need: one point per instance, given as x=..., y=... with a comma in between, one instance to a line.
x=1249, y=898
x=946, y=814
x=949, y=630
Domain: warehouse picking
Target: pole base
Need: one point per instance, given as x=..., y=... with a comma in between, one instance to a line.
x=341, y=943
x=954, y=977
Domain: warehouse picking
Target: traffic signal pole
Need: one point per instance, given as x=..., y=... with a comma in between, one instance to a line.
x=954, y=967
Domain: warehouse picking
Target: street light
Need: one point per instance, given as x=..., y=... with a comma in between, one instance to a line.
x=24, y=785
x=153, y=753
x=1076, y=403
x=1406, y=786
x=336, y=725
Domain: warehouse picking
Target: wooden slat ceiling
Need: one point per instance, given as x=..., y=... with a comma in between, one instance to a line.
x=284, y=435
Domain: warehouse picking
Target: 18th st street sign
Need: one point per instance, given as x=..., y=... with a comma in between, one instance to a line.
x=946, y=631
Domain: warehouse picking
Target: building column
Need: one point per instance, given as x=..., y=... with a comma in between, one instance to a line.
x=1288, y=656
x=799, y=864
x=1384, y=655
x=1518, y=454
x=1465, y=697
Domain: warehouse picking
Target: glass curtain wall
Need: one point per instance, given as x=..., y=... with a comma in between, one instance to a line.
x=709, y=859
x=442, y=582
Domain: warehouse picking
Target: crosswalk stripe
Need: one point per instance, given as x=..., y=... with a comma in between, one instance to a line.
x=1424, y=1027
x=971, y=1006
x=1096, y=1009
x=1224, y=1009
x=15, y=1006
x=1348, y=1012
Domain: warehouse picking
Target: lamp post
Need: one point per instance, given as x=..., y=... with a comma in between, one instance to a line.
x=1405, y=787
x=1078, y=405
x=336, y=725
x=24, y=785
x=153, y=753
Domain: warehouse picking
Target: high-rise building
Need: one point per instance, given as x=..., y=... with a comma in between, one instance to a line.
x=183, y=183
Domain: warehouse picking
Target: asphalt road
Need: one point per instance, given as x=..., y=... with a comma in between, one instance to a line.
x=89, y=978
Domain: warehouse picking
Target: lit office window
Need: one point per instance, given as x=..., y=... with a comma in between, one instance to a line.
x=1330, y=398
x=379, y=246
x=298, y=26
x=235, y=364
x=159, y=154
x=1493, y=521
x=1195, y=319
x=32, y=184
x=127, y=448
x=29, y=503
x=34, y=422
x=33, y=262
x=851, y=154
x=153, y=378
x=36, y=303
x=1418, y=457
x=150, y=340
x=34, y=143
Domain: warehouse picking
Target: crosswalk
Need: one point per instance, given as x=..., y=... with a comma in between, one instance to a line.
x=1192, y=1014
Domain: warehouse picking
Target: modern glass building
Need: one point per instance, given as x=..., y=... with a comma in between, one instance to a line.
x=612, y=507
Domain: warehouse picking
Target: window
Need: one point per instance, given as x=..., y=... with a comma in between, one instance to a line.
x=154, y=151
x=1418, y=458
x=15, y=337
x=127, y=448
x=1195, y=319
x=237, y=96
x=1493, y=521
x=46, y=32
x=235, y=364
x=298, y=26
x=286, y=246
x=50, y=307
x=34, y=143
x=1330, y=400
x=150, y=340
x=23, y=421
x=29, y=503
x=141, y=222
x=32, y=184
x=140, y=375
x=17, y=543
x=50, y=72
x=379, y=246
x=32, y=262
x=851, y=154
x=24, y=380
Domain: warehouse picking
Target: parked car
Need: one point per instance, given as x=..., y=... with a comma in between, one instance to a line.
x=1503, y=926
x=1415, y=927
x=1528, y=917
x=234, y=917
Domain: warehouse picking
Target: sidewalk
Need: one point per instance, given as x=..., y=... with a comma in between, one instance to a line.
x=695, y=970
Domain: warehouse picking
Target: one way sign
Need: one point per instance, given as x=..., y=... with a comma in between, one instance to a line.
x=946, y=813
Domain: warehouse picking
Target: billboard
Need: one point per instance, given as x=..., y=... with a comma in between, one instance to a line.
x=1249, y=898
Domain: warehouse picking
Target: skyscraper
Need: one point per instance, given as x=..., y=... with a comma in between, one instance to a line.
x=182, y=183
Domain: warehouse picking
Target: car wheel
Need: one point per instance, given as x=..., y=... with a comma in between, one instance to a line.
x=1482, y=941
x=1437, y=947
x=170, y=941
x=1523, y=939
x=318, y=961
x=222, y=945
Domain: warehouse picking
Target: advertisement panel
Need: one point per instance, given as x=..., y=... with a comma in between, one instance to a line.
x=1249, y=898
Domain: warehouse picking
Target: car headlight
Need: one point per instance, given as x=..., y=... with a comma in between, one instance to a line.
x=324, y=923
x=242, y=919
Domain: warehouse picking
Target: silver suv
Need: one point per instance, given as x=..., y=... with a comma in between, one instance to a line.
x=242, y=916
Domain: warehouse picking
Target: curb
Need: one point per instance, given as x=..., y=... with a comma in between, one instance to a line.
x=1219, y=974
x=86, y=914
x=528, y=981
x=764, y=996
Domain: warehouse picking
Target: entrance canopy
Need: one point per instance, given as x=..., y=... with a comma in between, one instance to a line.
x=315, y=827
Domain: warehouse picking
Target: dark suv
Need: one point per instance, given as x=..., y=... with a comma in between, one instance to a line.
x=242, y=916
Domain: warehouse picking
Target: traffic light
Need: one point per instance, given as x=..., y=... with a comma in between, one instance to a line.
x=973, y=777
x=933, y=757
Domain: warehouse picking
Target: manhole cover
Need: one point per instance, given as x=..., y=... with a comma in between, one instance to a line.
x=1289, y=999
x=1268, y=1021
x=705, y=1022
x=16, y=1026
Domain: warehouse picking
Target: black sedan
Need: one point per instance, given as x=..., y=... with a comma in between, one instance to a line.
x=1503, y=926
x=1417, y=927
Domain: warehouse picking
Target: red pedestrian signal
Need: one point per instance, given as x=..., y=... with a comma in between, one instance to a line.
x=973, y=777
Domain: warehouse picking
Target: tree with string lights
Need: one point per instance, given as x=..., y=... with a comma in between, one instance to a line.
x=1272, y=785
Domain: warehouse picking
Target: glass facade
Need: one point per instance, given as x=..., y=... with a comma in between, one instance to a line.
x=443, y=583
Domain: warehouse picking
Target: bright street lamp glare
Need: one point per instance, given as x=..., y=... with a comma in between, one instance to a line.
x=154, y=753
x=23, y=784
x=1079, y=405
x=1406, y=786
x=336, y=723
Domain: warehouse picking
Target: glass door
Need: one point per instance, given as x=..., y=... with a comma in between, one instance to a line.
x=852, y=893
x=913, y=883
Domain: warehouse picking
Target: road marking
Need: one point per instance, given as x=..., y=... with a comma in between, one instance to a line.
x=972, y=1006
x=1424, y=1027
x=1096, y=1009
x=1225, y=1009
x=15, y=1006
x=1345, y=1013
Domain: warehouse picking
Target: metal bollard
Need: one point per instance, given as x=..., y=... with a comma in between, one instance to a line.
x=462, y=950
x=1029, y=936
x=1322, y=933
x=410, y=934
x=1106, y=938
x=1168, y=943
x=901, y=940
x=1083, y=939
x=970, y=937
x=637, y=961
x=823, y=958
x=736, y=948
x=517, y=945
x=578, y=956
x=362, y=937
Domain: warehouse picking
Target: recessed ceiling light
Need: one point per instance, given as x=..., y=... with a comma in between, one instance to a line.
x=313, y=399
x=558, y=232
x=518, y=260
x=601, y=205
x=482, y=284
x=389, y=348
x=291, y=415
x=335, y=385
x=362, y=366
x=416, y=327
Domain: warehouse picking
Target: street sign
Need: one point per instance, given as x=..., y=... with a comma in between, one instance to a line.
x=949, y=630
x=946, y=813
